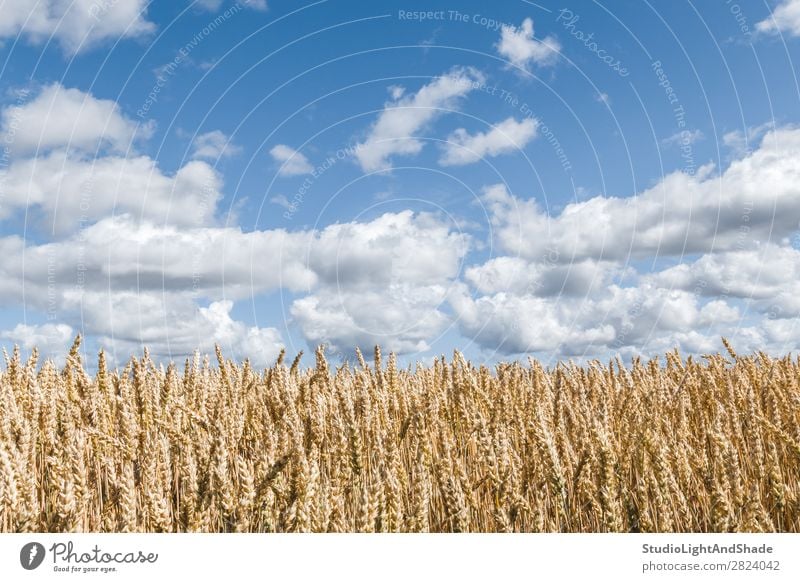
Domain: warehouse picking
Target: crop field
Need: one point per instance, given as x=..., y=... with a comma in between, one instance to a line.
x=670, y=445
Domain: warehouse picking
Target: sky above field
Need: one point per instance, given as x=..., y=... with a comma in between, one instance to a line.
x=576, y=180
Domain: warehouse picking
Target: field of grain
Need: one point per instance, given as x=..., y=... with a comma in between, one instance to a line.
x=673, y=445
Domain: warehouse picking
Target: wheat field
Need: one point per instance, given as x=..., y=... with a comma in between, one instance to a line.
x=675, y=445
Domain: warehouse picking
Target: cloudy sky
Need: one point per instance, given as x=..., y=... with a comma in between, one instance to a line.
x=570, y=180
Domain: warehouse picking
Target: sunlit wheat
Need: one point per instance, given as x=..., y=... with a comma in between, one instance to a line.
x=676, y=445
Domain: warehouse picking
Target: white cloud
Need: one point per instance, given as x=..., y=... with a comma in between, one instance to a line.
x=400, y=317
x=75, y=24
x=293, y=163
x=60, y=117
x=396, y=91
x=400, y=121
x=565, y=288
x=604, y=98
x=260, y=344
x=644, y=319
x=394, y=248
x=785, y=18
x=753, y=201
x=523, y=323
x=518, y=45
x=51, y=339
x=516, y=275
x=213, y=145
x=381, y=282
x=507, y=136
x=690, y=311
x=124, y=254
x=172, y=326
x=72, y=165
x=138, y=283
x=71, y=193
x=282, y=201
x=259, y=5
x=140, y=258
x=769, y=276
x=740, y=142
x=719, y=311
x=683, y=138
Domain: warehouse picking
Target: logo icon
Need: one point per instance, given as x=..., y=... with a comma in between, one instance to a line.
x=31, y=555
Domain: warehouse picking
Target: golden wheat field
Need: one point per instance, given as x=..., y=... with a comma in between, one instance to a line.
x=670, y=445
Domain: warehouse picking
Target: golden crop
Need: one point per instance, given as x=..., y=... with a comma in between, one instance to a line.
x=677, y=446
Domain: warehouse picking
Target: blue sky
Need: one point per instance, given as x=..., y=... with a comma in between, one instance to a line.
x=570, y=180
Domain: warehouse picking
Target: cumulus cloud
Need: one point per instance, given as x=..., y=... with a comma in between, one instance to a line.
x=785, y=18
x=569, y=285
x=172, y=326
x=518, y=276
x=72, y=165
x=400, y=317
x=137, y=283
x=753, y=201
x=293, y=163
x=71, y=193
x=213, y=145
x=740, y=141
x=382, y=282
x=140, y=258
x=683, y=138
x=507, y=136
x=51, y=339
x=260, y=344
x=768, y=276
x=394, y=133
x=518, y=45
x=643, y=319
x=76, y=25
x=59, y=117
x=124, y=254
x=394, y=247
x=509, y=323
